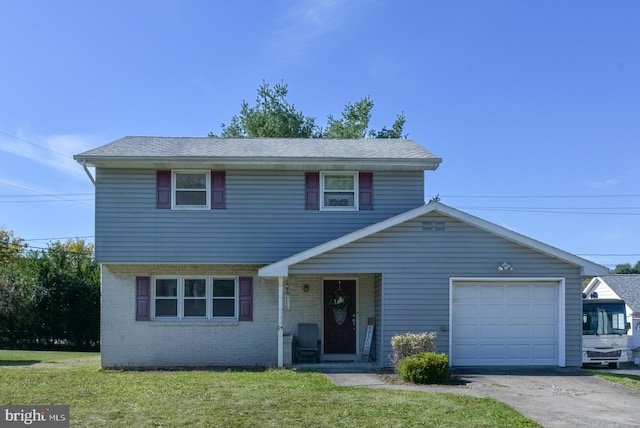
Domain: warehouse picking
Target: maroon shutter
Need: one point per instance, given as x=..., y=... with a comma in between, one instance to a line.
x=143, y=298
x=218, y=190
x=163, y=188
x=246, y=298
x=365, y=187
x=312, y=190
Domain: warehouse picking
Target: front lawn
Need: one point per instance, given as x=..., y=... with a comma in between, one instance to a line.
x=271, y=398
x=628, y=380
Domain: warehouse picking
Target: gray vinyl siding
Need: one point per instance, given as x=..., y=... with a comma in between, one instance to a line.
x=416, y=266
x=264, y=221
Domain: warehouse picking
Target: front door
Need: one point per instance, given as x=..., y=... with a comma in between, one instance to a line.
x=340, y=317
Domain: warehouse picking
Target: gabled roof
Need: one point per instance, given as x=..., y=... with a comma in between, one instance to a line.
x=296, y=153
x=281, y=268
x=625, y=286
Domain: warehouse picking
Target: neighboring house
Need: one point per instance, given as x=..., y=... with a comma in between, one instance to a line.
x=213, y=250
x=627, y=288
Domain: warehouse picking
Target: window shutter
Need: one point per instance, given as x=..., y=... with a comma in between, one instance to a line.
x=312, y=190
x=218, y=190
x=365, y=187
x=163, y=188
x=246, y=298
x=143, y=298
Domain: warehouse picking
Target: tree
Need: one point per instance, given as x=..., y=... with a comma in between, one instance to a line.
x=15, y=291
x=67, y=299
x=10, y=248
x=354, y=123
x=273, y=116
x=626, y=268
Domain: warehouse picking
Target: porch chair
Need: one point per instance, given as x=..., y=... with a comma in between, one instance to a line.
x=306, y=344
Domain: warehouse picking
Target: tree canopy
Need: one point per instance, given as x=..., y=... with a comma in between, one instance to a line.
x=626, y=268
x=273, y=116
x=48, y=298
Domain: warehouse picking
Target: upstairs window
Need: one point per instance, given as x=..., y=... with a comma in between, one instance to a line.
x=191, y=189
x=184, y=190
x=339, y=191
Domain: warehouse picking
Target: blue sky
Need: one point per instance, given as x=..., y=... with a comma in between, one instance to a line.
x=534, y=106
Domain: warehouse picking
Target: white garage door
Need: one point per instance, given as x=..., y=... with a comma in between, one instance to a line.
x=504, y=323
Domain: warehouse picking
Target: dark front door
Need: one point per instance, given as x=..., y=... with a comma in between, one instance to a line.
x=339, y=317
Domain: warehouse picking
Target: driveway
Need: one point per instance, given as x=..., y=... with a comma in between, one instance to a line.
x=553, y=397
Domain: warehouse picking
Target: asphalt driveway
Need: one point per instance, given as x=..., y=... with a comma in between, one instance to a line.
x=553, y=397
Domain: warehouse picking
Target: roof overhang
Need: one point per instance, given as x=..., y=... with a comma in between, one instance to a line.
x=281, y=268
x=271, y=163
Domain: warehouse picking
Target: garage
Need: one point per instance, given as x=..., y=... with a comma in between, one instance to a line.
x=513, y=322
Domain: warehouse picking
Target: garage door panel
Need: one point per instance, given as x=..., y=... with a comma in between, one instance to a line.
x=548, y=352
x=490, y=294
x=545, y=311
x=467, y=311
x=518, y=352
x=491, y=331
x=548, y=331
x=492, y=351
x=465, y=293
x=517, y=331
x=505, y=323
x=491, y=310
x=517, y=311
x=547, y=291
x=518, y=293
x=466, y=332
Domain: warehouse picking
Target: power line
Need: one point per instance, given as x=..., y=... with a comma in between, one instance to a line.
x=36, y=145
x=31, y=202
x=50, y=194
x=547, y=211
x=609, y=255
x=43, y=193
x=58, y=238
x=538, y=196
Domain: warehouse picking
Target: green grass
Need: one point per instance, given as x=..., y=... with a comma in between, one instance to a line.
x=628, y=380
x=270, y=398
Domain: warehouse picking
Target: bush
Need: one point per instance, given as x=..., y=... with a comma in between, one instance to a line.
x=406, y=345
x=428, y=367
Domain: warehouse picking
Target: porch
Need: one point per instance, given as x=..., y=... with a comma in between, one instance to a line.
x=342, y=309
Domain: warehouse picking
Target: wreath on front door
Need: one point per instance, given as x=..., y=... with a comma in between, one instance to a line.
x=338, y=303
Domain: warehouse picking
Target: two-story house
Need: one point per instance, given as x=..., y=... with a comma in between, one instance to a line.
x=214, y=250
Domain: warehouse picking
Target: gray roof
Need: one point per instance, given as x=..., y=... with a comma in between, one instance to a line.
x=627, y=287
x=129, y=150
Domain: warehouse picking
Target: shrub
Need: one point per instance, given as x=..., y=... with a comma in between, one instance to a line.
x=428, y=367
x=405, y=345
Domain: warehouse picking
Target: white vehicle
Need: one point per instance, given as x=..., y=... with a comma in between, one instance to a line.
x=604, y=332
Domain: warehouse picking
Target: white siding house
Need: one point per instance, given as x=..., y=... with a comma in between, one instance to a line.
x=627, y=288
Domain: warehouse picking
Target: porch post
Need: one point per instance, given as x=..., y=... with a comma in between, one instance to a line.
x=280, y=326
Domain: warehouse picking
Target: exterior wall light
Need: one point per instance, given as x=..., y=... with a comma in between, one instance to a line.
x=505, y=267
x=306, y=288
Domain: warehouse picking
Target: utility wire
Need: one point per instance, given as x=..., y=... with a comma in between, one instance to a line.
x=58, y=238
x=36, y=145
x=43, y=193
x=538, y=196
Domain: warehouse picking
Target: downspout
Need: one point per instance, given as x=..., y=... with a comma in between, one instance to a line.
x=280, y=326
x=84, y=165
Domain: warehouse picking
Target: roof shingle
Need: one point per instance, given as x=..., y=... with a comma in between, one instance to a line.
x=205, y=147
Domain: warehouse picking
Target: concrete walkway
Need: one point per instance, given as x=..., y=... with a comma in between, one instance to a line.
x=553, y=397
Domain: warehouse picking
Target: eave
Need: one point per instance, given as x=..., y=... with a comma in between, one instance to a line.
x=271, y=163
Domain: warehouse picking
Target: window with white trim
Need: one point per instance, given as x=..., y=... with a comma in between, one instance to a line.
x=195, y=297
x=191, y=189
x=339, y=191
